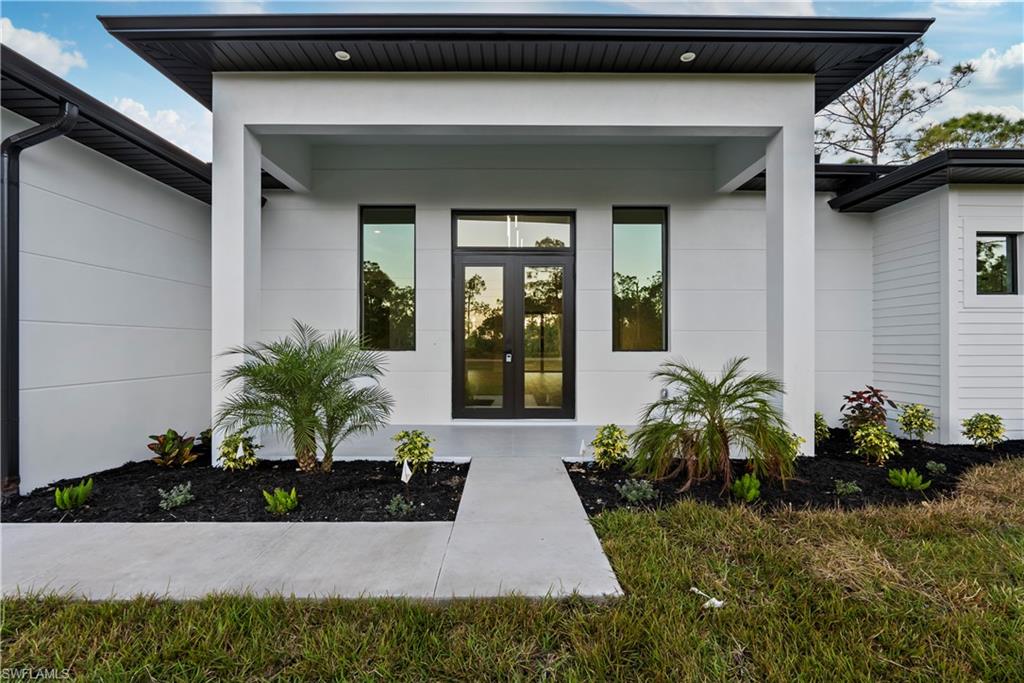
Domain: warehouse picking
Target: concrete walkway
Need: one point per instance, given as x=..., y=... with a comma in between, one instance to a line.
x=520, y=529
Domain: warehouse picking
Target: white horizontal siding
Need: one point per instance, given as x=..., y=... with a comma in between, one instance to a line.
x=907, y=343
x=988, y=343
x=115, y=311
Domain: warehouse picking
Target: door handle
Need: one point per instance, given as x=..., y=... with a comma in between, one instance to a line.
x=508, y=357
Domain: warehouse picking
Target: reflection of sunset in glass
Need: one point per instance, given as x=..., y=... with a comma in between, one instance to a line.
x=484, y=335
x=513, y=230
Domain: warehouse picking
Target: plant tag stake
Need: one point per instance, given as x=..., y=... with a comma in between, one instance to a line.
x=240, y=454
x=583, y=447
x=406, y=472
x=711, y=602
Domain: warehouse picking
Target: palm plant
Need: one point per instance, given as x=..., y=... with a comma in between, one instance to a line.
x=700, y=423
x=308, y=387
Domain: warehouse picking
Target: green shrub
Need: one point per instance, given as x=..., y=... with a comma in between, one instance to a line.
x=636, y=491
x=281, y=502
x=863, y=407
x=399, y=506
x=984, y=429
x=229, y=451
x=747, y=488
x=935, y=468
x=695, y=428
x=911, y=481
x=821, y=432
x=204, y=442
x=172, y=449
x=875, y=444
x=916, y=420
x=73, y=496
x=845, y=488
x=176, y=497
x=414, y=448
x=611, y=446
x=313, y=388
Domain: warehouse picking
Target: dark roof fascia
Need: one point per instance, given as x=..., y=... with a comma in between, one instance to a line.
x=506, y=25
x=892, y=35
x=26, y=72
x=945, y=162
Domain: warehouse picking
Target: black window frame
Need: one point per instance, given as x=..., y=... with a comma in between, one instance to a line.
x=664, y=276
x=1011, y=257
x=359, y=289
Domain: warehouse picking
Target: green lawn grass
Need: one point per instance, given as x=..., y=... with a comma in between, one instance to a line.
x=931, y=592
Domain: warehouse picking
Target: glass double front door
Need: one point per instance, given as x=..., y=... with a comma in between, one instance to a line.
x=514, y=336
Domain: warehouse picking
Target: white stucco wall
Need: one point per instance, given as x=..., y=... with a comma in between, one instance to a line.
x=115, y=311
x=717, y=272
x=987, y=333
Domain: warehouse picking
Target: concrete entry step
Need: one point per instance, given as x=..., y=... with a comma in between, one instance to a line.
x=522, y=529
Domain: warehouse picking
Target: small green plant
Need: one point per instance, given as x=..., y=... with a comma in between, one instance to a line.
x=176, y=497
x=73, y=496
x=281, y=502
x=747, y=488
x=875, y=444
x=172, y=449
x=399, y=506
x=611, y=446
x=414, y=448
x=984, y=429
x=204, y=442
x=821, y=432
x=845, y=488
x=636, y=491
x=231, y=459
x=935, y=468
x=911, y=481
x=916, y=420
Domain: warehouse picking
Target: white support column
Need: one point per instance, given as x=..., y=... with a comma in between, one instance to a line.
x=789, y=201
x=235, y=226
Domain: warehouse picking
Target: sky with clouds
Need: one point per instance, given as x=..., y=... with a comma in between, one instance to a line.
x=66, y=38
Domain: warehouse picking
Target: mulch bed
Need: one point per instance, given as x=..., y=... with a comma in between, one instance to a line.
x=354, y=491
x=815, y=478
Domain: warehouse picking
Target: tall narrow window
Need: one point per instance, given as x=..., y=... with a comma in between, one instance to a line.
x=997, y=263
x=388, y=285
x=638, y=279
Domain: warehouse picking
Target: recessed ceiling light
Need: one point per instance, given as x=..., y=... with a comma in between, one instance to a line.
x=687, y=56
x=342, y=56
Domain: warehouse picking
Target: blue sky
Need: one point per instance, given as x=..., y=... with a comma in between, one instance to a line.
x=66, y=38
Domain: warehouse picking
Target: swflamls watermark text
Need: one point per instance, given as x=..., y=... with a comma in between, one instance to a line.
x=33, y=673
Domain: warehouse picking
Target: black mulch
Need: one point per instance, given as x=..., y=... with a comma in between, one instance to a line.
x=355, y=491
x=815, y=478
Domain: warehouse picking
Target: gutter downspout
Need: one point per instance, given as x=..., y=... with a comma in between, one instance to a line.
x=10, y=232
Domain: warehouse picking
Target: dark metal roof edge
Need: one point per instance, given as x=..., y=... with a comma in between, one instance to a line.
x=937, y=163
x=888, y=34
x=642, y=25
x=19, y=68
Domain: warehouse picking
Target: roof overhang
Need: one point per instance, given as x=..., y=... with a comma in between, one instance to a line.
x=835, y=178
x=31, y=91
x=837, y=51
x=963, y=166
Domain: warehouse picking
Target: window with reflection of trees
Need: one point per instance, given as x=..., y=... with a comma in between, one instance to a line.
x=996, y=264
x=388, y=278
x=638, y=283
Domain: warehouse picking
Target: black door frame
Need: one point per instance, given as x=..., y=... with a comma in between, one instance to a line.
x=514, y=260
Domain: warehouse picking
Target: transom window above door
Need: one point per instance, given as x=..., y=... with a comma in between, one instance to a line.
x=513, y=230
